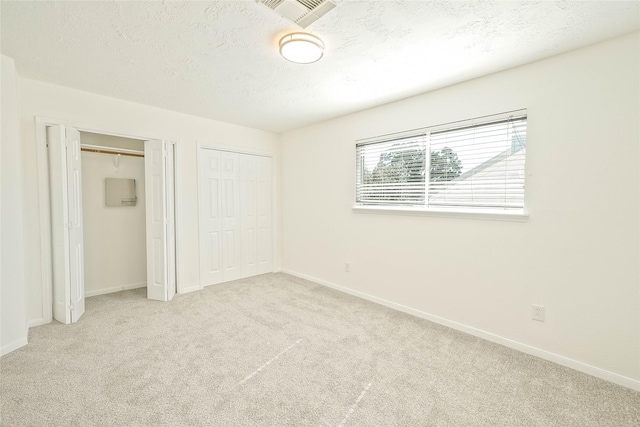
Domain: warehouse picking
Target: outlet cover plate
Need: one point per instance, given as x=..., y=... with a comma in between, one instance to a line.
x=537, y=312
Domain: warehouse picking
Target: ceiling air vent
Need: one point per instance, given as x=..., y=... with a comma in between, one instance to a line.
x=302, y=12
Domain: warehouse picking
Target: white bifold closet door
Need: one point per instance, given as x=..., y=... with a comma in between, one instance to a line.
x=159, y=166
x=263, y=208
x=235, y=215
x=65, y=174
x=248, y=220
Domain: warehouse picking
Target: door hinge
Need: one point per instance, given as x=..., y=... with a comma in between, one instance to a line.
x=69, y=225
x=72, y=306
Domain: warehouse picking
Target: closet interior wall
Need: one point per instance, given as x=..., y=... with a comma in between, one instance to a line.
x=114, y=237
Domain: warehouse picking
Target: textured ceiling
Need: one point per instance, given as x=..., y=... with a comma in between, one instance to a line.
x=219, y=59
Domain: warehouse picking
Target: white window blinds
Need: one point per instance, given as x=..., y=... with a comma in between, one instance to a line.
x=476, y=164
x=392, y=172
x=479, y=166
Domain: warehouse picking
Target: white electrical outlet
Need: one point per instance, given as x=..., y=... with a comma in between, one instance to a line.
x=347, y=267
x=537, y=312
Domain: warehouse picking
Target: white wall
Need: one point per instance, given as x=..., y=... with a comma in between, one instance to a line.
x=577, y=255
x=111, y=141
x=123, y=117
x=13, y=326
x=114, y=237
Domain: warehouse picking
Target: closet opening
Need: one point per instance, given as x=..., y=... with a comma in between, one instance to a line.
x=113, y=212
x=112, y=217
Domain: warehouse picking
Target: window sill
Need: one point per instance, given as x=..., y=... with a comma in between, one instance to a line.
x=493, y=215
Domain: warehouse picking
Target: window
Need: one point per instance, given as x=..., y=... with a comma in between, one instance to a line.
x=476, y=165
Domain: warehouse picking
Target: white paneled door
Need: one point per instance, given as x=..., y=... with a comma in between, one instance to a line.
x=209, y=212
x=171, y=220
x=160, y=217
x=248, y=199
x=230, y=216
x=235, y=215
x=264, y=198
x=66, y=221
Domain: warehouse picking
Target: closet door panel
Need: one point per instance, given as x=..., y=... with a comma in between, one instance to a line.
x=156, y=205
x=76, y=259
x=248, y=202
x=210, y=214
x=171, y=220
x=231, y=218
x=66, y=223
x=263, y=217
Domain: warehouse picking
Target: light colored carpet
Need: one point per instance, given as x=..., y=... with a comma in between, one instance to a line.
x=275, y=350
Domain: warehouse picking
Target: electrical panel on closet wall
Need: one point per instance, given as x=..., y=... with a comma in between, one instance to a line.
x=120, y=192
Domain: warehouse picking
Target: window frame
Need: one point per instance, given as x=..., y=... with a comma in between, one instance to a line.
x=502, y=214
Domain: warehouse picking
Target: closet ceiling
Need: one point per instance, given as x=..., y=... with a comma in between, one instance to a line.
x=220, y=60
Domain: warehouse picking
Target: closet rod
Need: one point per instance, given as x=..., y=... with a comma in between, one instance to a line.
x=111, y=150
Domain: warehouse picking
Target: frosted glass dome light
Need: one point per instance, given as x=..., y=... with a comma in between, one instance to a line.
x=301, y=48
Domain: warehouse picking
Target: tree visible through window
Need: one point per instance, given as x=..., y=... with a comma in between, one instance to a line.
x=445, y=165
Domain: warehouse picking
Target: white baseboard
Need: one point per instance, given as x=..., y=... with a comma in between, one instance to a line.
x=525, y=348
x=190, y=289
x=134, y=286
x=6, y=349
x=104, y=291
x=36, y=322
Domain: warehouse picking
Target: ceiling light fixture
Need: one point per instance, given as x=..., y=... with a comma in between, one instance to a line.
x=301, y=48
